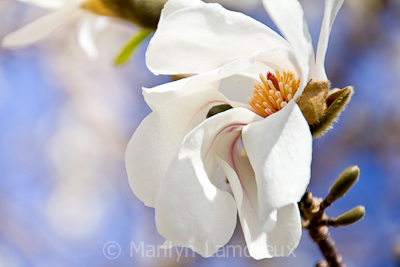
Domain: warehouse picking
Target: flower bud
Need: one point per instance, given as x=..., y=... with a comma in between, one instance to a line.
x=336, y=100
x=351, y=216
x=345, y=181
x=323, y=263
x=312, y=101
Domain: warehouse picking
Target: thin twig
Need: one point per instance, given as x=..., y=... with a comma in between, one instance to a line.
x=316, y=222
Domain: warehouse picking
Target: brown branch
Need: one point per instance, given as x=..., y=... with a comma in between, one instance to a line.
x=316, y=222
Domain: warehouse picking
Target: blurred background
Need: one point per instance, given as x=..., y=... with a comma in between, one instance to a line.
x=65, y=121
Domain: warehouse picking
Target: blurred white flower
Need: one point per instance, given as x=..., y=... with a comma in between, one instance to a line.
x=175, y=157
x=64, y=11
x=91, y=14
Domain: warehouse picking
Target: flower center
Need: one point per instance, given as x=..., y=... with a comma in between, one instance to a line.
x=273, y=92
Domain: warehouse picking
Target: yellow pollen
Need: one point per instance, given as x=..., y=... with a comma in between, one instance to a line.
x=273, y=92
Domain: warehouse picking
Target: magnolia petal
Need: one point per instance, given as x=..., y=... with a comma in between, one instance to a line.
x=237, y=87
x=282, y=165
x=190, y=210
x=244, y=187
x=88, y=29
x=286, y=232
x=50, y=4
x=239, y=5
x=221, y=36
x=289, y=17
x=210, y=80
x=157, y=139
x=161, y=94
x=331, y=9
x=174, y=5
x=42, y=27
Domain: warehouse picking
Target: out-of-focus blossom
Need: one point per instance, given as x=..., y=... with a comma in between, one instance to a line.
x=92, y=15
x=64, y=11
x=178, y=161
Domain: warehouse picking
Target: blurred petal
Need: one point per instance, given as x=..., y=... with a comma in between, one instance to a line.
x=88, y=30
x=282, y=165
x=210, y=80
x=221, y=36
x=157, y=139
x=50, y=4
x=42, y=27
x=286, y=235
x=190, y=210
x=289, y=17
x=331, y=9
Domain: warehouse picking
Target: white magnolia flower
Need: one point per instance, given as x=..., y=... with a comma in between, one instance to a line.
x=64, y=11
x=178, y=161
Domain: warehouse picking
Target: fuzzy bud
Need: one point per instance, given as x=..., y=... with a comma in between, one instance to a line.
x=312, y=102
x=351, y=216
x=323, y=263
x=336, y=100
x=345, y=181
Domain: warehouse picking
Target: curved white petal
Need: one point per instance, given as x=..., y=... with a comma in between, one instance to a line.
x=235, y=80
x=287, y=233
x=174, y=5
x=210, y=80
x=239, y=5
x=244, y=187
x=331, y=9
x=282, y=239
x=42, y=27
x=217, y=36
x=279, y=148
x=289, y=17
x=88, y=29
x=190, y=210
x=157, y=139
x=50, y=4
x=238, y=87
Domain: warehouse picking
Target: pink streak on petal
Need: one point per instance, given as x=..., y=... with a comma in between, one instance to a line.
x=232, y=126
x=207, y=104
x=231, y=152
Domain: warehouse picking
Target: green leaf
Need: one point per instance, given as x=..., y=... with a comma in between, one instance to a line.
x=130, y=45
